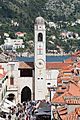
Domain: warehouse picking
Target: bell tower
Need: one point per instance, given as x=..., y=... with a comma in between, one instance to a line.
x=40, y=58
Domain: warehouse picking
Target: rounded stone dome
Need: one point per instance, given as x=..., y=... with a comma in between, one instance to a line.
x=39, y=20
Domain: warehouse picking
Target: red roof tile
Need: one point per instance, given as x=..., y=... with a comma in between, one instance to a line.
x=62, y=111
x=59, y=81
x=60, y=91
x=3, y=75
x=77, y=53
x=60, y=99
x=74, y=89
x=71, y=116
x=69, y=61
x=56, y=65
x=23, y=65
x=77, y=110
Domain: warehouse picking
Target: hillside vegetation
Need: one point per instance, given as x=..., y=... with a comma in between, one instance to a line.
x=19, y=15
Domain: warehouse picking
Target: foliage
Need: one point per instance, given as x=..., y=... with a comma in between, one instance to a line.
x=20, y=50
x=23, y=12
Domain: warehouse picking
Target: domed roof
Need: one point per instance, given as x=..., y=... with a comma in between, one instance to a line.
x=39, y=20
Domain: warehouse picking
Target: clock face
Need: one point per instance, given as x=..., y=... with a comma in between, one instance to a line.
x=40, y=63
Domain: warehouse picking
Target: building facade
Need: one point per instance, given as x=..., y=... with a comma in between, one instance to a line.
x=31, y=80
x=13, y=44
x=40, y=58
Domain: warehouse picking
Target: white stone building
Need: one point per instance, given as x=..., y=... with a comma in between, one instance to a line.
x=21, y=80
x=31, y=80
x=13, y=44
x=3, y=83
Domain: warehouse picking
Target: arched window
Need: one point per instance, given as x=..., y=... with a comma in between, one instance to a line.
x=25, y=94
x=40, y=37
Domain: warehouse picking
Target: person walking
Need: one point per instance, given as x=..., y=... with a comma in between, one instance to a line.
x=27, y=117
x=9, y=117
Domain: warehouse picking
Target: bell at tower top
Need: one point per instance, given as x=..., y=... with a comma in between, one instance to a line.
x=39, y=20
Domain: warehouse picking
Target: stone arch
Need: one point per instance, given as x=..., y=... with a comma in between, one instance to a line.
x=11, y=97
x=25, y=94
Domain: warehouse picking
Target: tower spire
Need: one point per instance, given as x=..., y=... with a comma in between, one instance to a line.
x=40, y=58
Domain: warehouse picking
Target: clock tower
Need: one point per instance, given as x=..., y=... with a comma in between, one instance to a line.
x=40, y=58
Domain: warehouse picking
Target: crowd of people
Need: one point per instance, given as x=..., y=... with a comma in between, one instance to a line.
x=23, y=111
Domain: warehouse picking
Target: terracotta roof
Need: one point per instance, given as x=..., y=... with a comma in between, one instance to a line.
x=74, y=89
x=60, y=99
x=69, y=67
x=69, y=60
x=56, y=95
x=59, y=81
x=63, y=86
x=66, y=78
x=61, y=110
x=71, y=116
x=49, y=65
x=60, y=91
x=73, y=101
x=77, y=110
x=24, y=65
x=77, y=53
x=78, y=64
x=19, y=33
x=2, y=76
x=56, y=65
x=76, y=78
x=0, y=66
x=60, y=74
x=67, y=71
x=63, y=113
x=69, y=78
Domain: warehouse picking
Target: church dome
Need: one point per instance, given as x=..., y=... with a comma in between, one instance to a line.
x=39, y=20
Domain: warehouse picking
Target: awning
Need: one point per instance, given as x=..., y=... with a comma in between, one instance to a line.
x=6, y=105
x=6, y=110
x=9, y=102
x=2, y=118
